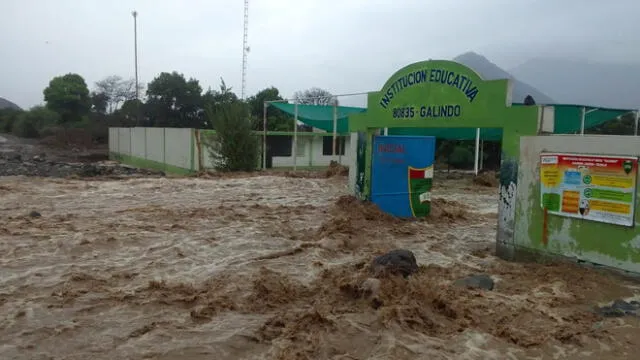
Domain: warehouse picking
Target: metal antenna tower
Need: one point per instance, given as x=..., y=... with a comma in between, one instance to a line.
x=245, y=48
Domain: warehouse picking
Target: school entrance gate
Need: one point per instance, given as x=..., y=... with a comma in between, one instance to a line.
x=446, y=94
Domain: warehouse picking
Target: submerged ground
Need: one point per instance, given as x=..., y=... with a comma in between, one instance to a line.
x=269, y=267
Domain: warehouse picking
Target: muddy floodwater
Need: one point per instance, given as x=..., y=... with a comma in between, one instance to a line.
x=270, y=267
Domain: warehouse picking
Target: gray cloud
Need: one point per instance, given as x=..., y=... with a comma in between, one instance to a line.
x=341, y=45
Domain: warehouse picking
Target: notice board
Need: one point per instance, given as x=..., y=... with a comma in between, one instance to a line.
x=592, y=187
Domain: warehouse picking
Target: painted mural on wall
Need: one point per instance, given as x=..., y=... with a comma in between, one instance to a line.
x=507, y=199
x=402, y=174
x=420, y=184
x=589, y=187
x=360, y=166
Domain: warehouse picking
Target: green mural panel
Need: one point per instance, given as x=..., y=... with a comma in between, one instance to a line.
x=361, y=157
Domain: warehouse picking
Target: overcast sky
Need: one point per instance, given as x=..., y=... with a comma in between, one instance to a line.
x=343, y=46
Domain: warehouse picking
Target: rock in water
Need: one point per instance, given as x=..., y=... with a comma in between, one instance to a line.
x=89, y=170
x=619, y=308
x=399, y=261
x=34, y=214
x=481, y=281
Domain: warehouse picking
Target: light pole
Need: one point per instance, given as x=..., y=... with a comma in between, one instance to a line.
x=135, y=56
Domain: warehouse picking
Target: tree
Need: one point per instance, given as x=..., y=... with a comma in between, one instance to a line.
x=214, y=100
x=276, y=119
x=233, y=147
x=175, y=101
x=68, y=95
x=461, y=156
x=528, y=100
x=127, y=114
x=99, y=102
x=314, y=96
x=116, y=91
x=623, y=125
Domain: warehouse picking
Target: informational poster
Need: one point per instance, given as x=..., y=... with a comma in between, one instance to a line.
x=590, y=187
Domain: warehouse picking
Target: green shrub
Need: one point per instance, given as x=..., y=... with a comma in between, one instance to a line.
x=461, y=157
x=7, y=118
x=96, y=126
x=42, y=117
x=29, y=123
x=25, y=128
x=50, y=131
x=99, y=133
x=234, y=147
x=6, y=124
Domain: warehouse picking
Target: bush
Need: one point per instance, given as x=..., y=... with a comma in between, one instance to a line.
x=8, y=117
x=41, y=122
x=69, y=138
x=25, y=128
x=94, y=126
x=6, y=124
x=29, y=123
x=50, y=131
x=42, y=117
x=461, y=157
x=234, y=147
x=99, y=133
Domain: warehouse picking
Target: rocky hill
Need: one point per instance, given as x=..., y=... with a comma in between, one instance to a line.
x=491, y=71
x=6, y=104
x=584, y=82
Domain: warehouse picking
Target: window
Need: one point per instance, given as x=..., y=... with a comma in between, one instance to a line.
x=327, y=145
x=279, y=145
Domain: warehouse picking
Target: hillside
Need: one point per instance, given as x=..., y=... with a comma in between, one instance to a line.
x=491, y=71
x=582, y=82
x=6, y=104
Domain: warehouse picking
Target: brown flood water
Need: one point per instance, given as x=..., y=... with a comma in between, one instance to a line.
x=268, y=267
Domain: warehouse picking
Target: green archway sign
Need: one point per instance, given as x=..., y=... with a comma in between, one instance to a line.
x=446, y=94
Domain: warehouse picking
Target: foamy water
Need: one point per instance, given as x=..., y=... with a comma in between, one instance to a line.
x=210, y=268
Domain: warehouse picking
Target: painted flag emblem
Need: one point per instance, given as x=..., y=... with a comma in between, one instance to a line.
x=420, y=183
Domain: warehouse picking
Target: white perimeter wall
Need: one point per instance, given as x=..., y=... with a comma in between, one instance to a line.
x=168, y=146
x=207, y=160
x=139, y=142
x=178, y=143
x=155, y=144
x=173, y=146
x=124, y=141
x=113, y=140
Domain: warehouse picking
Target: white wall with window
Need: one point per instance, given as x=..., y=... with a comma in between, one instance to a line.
x=316, y=151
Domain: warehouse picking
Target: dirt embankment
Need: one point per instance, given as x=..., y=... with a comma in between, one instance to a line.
x=12, y=164
x=24, y=157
